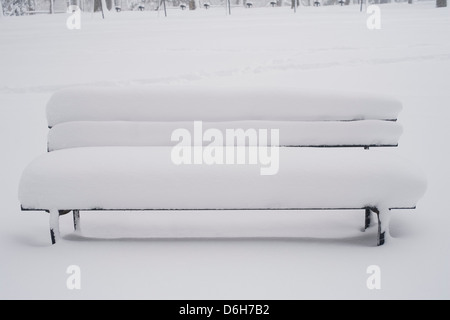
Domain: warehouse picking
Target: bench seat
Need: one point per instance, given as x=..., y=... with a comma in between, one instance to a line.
x=144, y=178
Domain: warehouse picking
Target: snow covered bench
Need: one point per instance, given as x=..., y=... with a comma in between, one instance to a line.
x=110, y=149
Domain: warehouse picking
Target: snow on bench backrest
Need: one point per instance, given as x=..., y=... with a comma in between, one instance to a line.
x=188, y=103
x=147, y=116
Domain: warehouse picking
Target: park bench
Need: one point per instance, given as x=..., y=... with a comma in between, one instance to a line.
x=112, y=149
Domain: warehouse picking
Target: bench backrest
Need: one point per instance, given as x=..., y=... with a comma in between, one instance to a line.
x=87, y=117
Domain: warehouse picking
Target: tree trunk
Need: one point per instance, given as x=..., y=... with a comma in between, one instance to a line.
x=410, y=1
x=192, y=5
x=441, y=3
x=52, y=6
x=293, y=4
x=1, y=9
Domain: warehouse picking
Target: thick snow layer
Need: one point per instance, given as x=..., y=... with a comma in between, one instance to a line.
x=292, y=133
x=190, y=103
x=146, y=178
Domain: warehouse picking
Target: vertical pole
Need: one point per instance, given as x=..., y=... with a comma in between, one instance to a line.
x=368, y=219
x=54, y=226
x=165, y=9
x=229, y=7
x=101, y=5
x=381, y=234
x=384, y=217
x=76, y=220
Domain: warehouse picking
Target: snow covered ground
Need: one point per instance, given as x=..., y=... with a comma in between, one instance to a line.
x=258, y=255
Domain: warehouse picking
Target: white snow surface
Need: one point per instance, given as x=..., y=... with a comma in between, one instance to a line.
x=292, y=133
x=146, y=178
x=215, y=103
x=229, y=255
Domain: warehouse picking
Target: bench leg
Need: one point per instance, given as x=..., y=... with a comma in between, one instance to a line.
x=76, y=220
x=384, y=218
x=368, y=220
x=54, y=226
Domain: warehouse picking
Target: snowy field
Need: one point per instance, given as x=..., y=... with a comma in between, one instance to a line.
x=239, y=255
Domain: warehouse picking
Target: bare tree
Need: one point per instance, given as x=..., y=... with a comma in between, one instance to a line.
x=441, y=3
